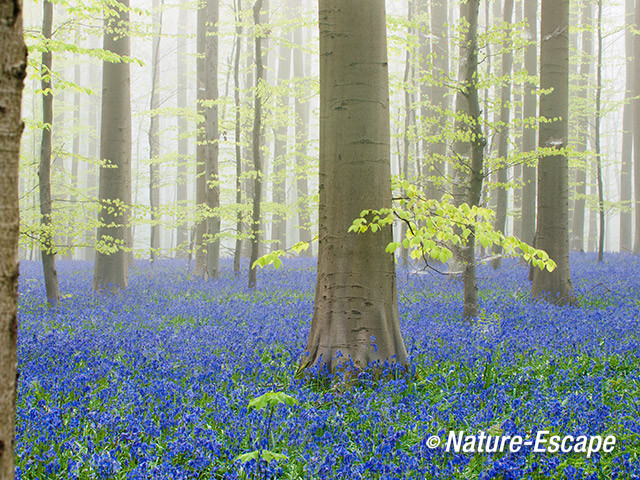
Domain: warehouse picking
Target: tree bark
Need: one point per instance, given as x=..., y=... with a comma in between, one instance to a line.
x=238, y=149
x=597, y=137
x=154, y=140
x=356, y=307
x=636, y=131
x=503, y=134
x=182, y=231
x=13, y=65
x=627, y=135
x=111, y=267
x=577, y=229
x=256, y=144
x=44, y=172
x=552, y=234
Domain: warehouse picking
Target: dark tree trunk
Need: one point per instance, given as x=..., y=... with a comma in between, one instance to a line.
x=356, y=307
x=44, y=172
x=552, y=233
x=111, y=269
x=13, y=65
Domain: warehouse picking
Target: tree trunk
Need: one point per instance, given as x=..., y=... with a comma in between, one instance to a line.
x=114, y=236
x=44, y=172
x=597, y=137
x=552, y=234
x=280, y=147
x=154, y=140
x=627, y=135
x=182, y=230
x=636, y=131
x=13, y=65
x=577, y=229
x=256, y=144
x=356, y=307
x=503, y=134
x=238, y=149
x=301, y=108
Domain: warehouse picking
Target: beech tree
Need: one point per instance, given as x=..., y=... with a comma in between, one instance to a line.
x=13, y=69
x=113, y=237
x=552, y=232
x=356, y=307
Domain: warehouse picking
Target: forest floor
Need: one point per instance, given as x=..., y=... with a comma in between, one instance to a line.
x=155, y=382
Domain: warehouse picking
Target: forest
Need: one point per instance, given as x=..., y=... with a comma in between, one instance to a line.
x=343, y=239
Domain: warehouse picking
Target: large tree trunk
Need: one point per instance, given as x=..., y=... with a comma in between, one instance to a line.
x=301, y=109
x=111, y=265
x=44, y=172
x=636, y=131
x=552, y=233
x=13, y=66
x=577, y=228
x=627, y=135
x=503, y=134
x=182, y=231
x=238, y=149
x=256, y=150
x=356, y=307
x=154, y=140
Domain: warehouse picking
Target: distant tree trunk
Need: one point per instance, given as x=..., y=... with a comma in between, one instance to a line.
x=301, y=109
x=182, y=231
x=13, y=65
x=627, y=135
x=423, y=162
x=238, y=149
x=75, y=150
x=503, y=134
x=257, y=154
x=279, y=184
x=154, y=140
x=517, y=99
x=91, y=179
x=597, y=136
x=636, y=131
x=355, y=313
x=111, y=268
x=44, y=172
x=577, y=229
x=438, y=93
x=552, y=233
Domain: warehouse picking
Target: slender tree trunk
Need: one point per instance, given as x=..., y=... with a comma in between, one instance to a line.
x=200, y=268
x=355, y=313
x=503, y=134
x=597, y=136
x=577, y=229
x=552, y=233
x=627, y=135
x=238, y=149
x=182, y=230
x=13, y=65
x=44, y=172
x=423, y=162
x=636, y=131
x=256, y=150
x=280, y=147
x=409, y=120
x=154, y=140
x=114, y=236
x=301, y=108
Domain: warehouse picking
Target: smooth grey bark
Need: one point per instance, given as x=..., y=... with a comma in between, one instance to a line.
x=44, y=171
x=111, y=267
x=423, y=164
x=356, y=306
x=280, y=151
x=503, y=134
x=182, y=230
x=75, y=151
x=437, y=149
x=636, y=131
x=256, y=151
x=597, y=137
x=238, y=149
x=577, y=226
x=154, y=140
x=552, y=233
x=91, y=174
x=13, y=69
x=301, y=109
x=627, y=135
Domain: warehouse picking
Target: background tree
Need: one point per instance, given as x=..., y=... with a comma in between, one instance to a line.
x=552, y=233
x=636, y=131
x=113, y=238
x=626, y=167
x=13, y=66
x=355, y=312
